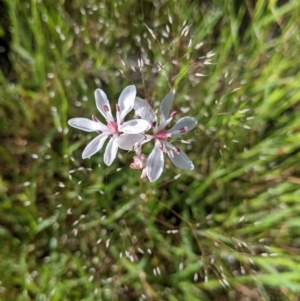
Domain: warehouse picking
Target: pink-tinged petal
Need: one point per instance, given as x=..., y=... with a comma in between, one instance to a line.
x=155, y=163
x=87, y=125
x=144, y=110
x=111, y=151
x=180, y=159
x=94, y=146
x=182, y=126
x=126, y=101
x=135, y=126
x=139, y=162
x=103, y=105
x=165, y=107
x=128, y=141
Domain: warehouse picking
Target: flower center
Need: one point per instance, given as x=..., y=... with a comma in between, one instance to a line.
x=113, y=126
x=162, y=135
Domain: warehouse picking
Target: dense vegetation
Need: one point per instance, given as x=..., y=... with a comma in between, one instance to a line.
x=73, y=229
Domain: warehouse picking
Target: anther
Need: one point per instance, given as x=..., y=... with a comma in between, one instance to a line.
x=105, y=108
x=184, y=129
x=95, y=118
x=172, y=115
x=118, y=108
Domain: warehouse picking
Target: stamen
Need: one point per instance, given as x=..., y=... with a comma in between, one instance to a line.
x=99, y=132
x=121, y=122
x=177, y=150
x=172, y=115
x=95, y=118
x=153, y=123
x=184, y=129
x=105, y=108
x=118, y=108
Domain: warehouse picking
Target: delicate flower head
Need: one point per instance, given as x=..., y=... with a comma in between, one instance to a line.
x=155, y=162
x=132, y=135
x=139, y=162
x=121, y=134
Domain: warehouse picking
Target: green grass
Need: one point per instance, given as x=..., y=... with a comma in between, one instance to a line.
x=73, y=229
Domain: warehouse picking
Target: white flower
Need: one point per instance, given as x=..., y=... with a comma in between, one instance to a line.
x=121, y=134
x=155, y=161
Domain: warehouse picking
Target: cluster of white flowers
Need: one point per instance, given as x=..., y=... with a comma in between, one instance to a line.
x=132, y=135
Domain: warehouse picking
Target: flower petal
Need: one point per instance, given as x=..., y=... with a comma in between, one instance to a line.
x=87, y=125
x=128, y=141
x=164, y=124
x=126, y=101
x=94, y=146
x=155, y=163
x=135, y=126
x=144, y=110
x=111, y=151
x=144, y=173
x=180, y=160
x=183, y=125
x=165, y=107
x=103, y=105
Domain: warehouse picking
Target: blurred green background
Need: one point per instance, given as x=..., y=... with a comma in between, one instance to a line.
x=73, y=229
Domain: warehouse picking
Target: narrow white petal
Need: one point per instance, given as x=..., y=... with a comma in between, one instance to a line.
x=188, y=122
x=94, y=146
x=111, y=151
x=87, y=125
x=165, y=107
x=103, y=105
x=128, y=141
x=147, y=138
x=155, y=163
x=126, y=100
x=164, y=124
x=135, y=126
x=144, y=173
x=181, y=160
x=144, y=110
